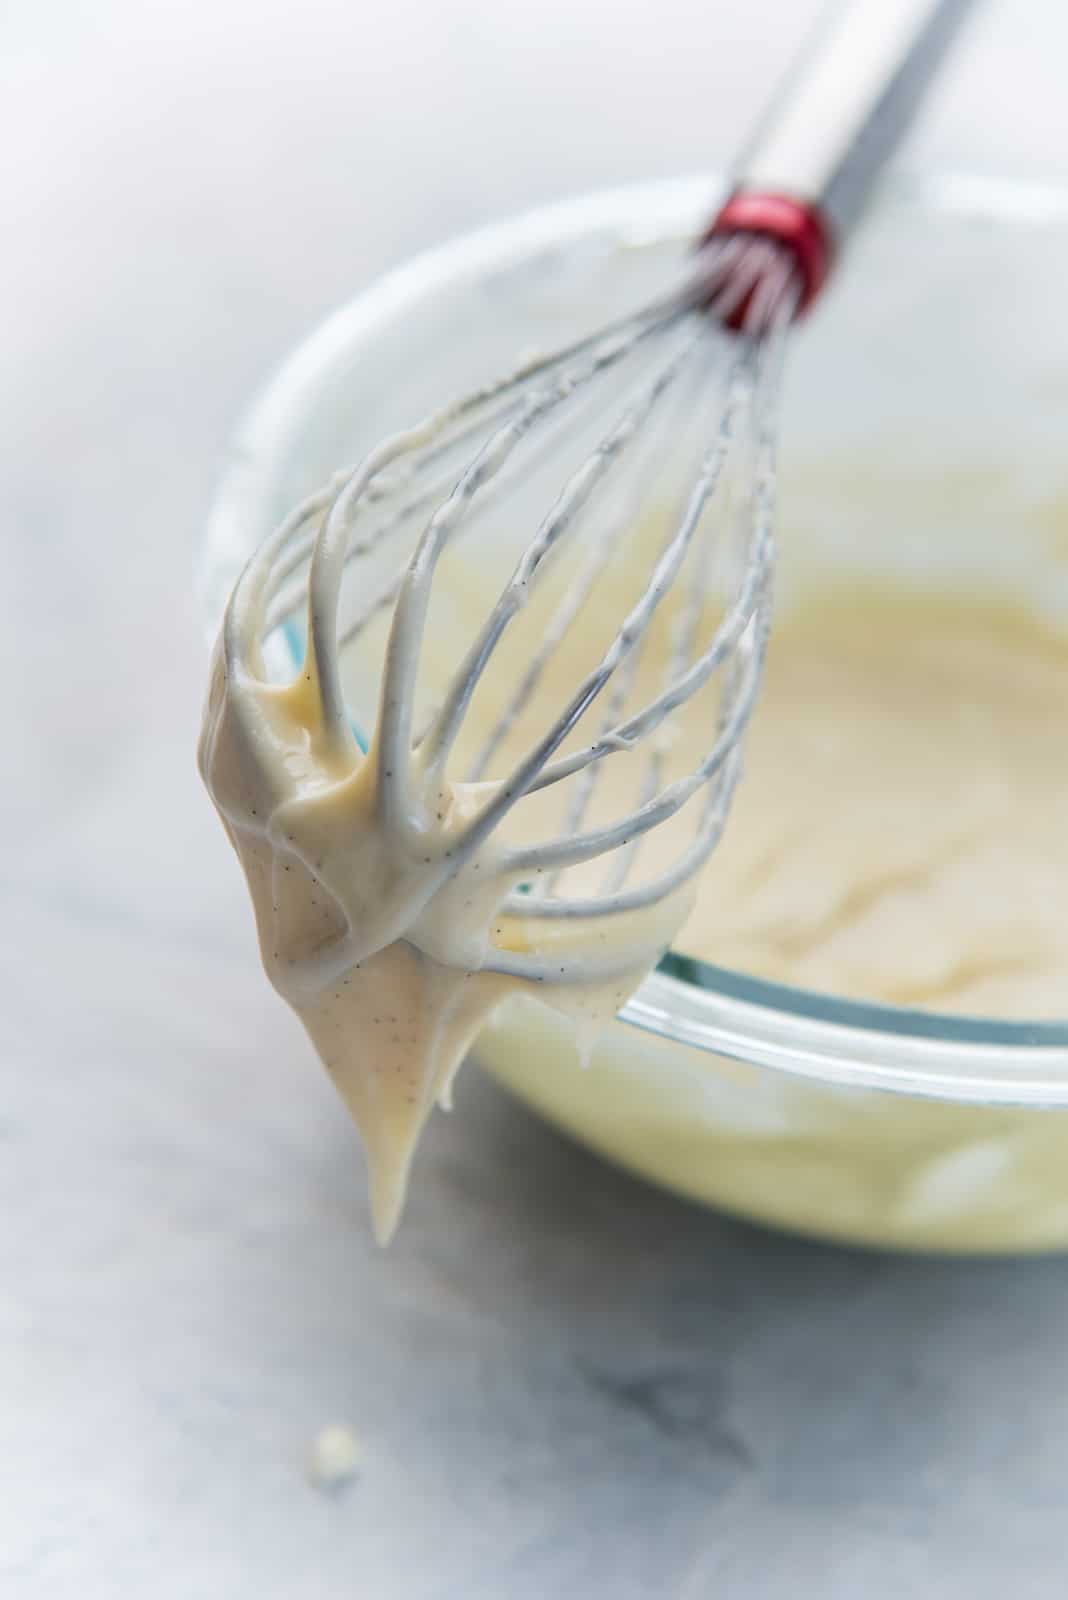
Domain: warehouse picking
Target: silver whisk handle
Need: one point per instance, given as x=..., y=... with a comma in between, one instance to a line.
x=849, y=100
x=833, y=125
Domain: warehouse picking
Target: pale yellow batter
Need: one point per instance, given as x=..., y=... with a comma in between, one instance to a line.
x=901, y=832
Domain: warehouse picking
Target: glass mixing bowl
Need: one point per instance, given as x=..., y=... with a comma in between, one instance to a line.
x=939, y=358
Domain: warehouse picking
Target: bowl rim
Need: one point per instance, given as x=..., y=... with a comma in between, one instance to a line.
x=802, y=1033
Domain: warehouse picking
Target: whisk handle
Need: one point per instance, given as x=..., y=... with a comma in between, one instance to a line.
x=841, y=113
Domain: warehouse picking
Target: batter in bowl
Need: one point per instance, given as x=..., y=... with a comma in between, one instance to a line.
x=901, y=831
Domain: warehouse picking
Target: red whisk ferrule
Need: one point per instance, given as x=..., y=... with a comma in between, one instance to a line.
x=797, y=227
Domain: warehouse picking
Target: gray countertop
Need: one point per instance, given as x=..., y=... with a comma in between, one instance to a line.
x=564, y=1382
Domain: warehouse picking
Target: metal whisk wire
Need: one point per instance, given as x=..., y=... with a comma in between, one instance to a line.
x=353, y=519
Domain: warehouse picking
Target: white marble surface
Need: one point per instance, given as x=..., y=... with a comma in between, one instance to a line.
x=564, y=1383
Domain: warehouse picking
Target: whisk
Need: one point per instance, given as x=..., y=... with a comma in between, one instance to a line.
x=693, y=375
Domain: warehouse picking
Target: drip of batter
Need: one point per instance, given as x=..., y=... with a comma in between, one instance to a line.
x=370, y=930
